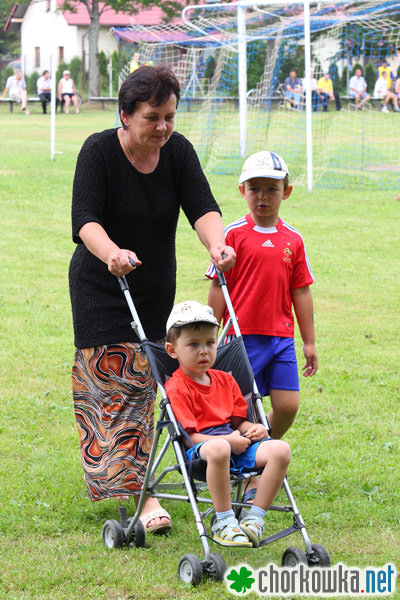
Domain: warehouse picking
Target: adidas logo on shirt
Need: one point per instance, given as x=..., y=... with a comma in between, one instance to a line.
x=268, y=244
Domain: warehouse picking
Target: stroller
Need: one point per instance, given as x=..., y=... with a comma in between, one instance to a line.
x=231, y=357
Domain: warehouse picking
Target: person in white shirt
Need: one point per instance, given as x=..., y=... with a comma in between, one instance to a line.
x=67, y=92
x=382, y=92
x=314, y=95
x=16, y=88
x=43, y=86
x=358, y=89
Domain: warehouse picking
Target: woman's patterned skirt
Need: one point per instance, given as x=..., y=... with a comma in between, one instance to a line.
x=114, y=396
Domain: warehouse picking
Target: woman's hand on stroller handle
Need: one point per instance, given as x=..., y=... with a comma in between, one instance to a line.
x=122, y=262
x=223, y=257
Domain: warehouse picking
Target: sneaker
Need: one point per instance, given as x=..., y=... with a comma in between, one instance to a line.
x=396, y=109
x=385, y=109
x=253, y=527
x=228, y=533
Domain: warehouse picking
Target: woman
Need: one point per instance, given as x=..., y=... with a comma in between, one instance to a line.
x=67, y=92
x=129, y=186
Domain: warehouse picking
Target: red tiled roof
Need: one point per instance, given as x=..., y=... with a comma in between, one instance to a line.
x=111, y=18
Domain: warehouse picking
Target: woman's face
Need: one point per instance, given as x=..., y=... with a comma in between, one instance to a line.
x=151, y=126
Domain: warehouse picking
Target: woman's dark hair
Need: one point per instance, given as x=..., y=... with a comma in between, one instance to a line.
x=153, y=84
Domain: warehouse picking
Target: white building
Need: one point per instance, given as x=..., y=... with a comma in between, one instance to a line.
x=66, y=32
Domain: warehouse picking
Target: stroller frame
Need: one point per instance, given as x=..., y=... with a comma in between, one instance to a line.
x=131, y=531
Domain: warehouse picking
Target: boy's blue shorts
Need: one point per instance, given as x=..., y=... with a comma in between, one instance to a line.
x=240, y=463
x=274, y=363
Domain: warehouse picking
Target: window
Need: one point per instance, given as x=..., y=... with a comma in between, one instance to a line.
x=37, y=56
x=61, y=54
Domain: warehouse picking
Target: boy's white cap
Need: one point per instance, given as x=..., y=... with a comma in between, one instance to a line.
x=66, y=72
x=190, y=312
x=264, y=164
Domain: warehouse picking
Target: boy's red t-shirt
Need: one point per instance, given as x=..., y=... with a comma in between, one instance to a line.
x=270, y=263
x=198, y=406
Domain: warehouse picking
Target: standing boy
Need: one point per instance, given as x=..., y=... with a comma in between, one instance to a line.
x=271, y=274
x=211, y=409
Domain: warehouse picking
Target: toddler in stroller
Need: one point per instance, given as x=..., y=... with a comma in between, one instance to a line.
x=230, y=358
x=213, y=413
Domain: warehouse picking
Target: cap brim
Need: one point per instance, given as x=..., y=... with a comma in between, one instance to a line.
x=272, y=174
x=183, y=323
x=213, y=322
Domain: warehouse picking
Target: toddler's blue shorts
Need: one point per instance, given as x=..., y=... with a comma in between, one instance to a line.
x=240, y=463
x=274, y=363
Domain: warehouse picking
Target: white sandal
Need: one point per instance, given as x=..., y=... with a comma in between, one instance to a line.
x=155, y=514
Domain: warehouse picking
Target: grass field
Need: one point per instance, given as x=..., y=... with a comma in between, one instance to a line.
x=345, y=441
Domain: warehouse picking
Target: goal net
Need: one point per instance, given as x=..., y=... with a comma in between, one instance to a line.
x=351, y=148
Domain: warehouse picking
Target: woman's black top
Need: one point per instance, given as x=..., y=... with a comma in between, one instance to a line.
x=140, y=213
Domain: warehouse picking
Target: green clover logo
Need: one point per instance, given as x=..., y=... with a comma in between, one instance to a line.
x=242, y=581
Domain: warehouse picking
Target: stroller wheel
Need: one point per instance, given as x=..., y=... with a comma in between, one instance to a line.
x=113, y=535
x=190, y=569
x=294, y=556
x=216, y=567
x=139, y=534
x=320, y=556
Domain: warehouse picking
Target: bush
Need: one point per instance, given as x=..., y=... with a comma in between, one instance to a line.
x=4, y=75
x=370, y=77
x=334, y=73
x=115, y=71
x=343, y=82
x=75, y=67
x=31, y=83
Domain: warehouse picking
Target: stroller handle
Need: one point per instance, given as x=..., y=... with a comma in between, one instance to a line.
x=224, y=288
x=122, y=280
x=220, y=275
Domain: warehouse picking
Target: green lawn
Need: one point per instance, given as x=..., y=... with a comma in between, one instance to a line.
x=345, y=441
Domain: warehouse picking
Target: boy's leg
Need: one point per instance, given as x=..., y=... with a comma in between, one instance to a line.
x=274, y=363
x=217, y=454
x=226, y=530
x=274, y=456
x=285, y=404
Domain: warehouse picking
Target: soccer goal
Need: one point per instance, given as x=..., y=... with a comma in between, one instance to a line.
x=232, y=60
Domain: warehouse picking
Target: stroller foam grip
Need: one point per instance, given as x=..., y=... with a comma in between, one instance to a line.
x=220, y=275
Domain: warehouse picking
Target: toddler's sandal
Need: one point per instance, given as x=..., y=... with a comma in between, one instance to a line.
x=228, y=533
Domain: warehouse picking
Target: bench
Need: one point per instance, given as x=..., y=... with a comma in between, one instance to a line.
x=35, y=100
x=373, y=101
x=103, y=100
x=11, y=103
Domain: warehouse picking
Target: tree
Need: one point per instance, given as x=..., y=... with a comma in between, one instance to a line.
x=9, y=41
x=96, y=8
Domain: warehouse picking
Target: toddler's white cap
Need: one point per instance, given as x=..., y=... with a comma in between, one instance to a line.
x=264, y=164
x=190, y=312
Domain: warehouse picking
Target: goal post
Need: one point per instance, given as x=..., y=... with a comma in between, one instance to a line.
x=232, y=60
x=242, y=67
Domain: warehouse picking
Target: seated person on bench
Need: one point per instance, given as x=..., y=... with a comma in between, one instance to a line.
x=16, y=88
